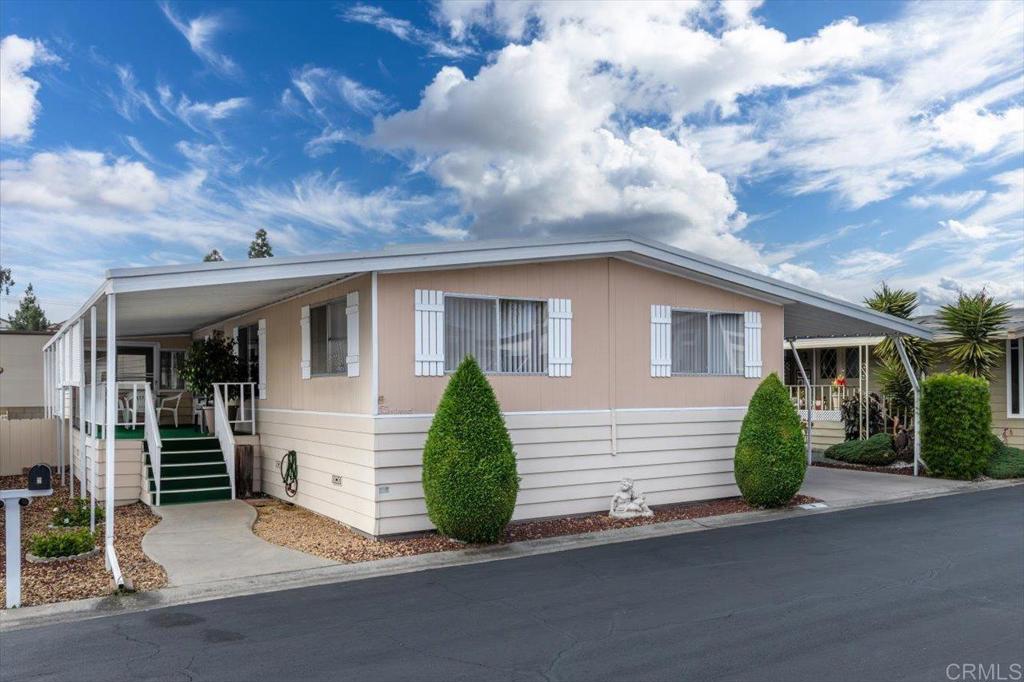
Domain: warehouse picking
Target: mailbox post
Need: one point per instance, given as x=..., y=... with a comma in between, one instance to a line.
x=12, y=501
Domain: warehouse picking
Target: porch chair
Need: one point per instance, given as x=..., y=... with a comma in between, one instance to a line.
x=170, y=404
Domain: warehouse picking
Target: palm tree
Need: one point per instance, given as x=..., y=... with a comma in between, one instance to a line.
x=903, y=304
x=972, y=321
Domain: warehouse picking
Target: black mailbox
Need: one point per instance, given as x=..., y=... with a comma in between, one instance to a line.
x=39, y=477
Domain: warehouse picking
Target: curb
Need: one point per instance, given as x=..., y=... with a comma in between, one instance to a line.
x=98, y=607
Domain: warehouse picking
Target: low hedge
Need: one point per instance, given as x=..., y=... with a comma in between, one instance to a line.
x=770, y=461
x=956, y=425
x=875, y=451
x=1005, y=461
x=75, y=514
x=62, y=543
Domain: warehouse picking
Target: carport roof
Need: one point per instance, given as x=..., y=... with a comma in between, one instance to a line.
x=182, y=298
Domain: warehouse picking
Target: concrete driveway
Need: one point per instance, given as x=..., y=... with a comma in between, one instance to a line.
x=846, y=487
x=879, y=593
x=208, y=541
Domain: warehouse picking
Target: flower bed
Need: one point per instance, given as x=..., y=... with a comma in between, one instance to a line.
x=301, y=529
x=43, y=583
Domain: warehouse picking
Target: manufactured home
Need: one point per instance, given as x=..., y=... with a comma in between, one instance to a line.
x=611, y=357
x=841, y=367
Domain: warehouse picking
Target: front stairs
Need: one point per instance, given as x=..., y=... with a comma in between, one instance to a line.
x=191, y=470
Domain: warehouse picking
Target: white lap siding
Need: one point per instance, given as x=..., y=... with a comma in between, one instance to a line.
x=566, y=463
x=326, y=445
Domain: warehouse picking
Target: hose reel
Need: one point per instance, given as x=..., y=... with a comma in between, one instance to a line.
x=290, y=473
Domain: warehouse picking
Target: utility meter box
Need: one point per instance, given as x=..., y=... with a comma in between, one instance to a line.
x=39, y=477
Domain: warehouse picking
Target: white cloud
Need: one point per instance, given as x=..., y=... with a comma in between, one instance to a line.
x=199, y=114
x=138, y=148
x=200, y=34
x=967, y=231
x=957, y=202
x=403, y=30
x=19, y=105
x=131, y=98
x=80, y=180
x=331, y=97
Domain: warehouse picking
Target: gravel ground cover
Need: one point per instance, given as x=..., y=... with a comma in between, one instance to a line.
x=301, y=529
x=82, y=578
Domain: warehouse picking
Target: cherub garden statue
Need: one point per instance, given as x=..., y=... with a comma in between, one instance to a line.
x=627, y=503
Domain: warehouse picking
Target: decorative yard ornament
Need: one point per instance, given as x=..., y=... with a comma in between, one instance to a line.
x=628, y=503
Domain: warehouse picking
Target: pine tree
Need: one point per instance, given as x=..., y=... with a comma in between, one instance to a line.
x=260, y=246
x=6, y=281
x=213, y=257
x=29, y=316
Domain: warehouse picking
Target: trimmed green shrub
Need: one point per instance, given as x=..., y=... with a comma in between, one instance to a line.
x=956, y=423
x=469, y=468
x=874, y=451
x=62, y=543
x=770, y=458
x=75, y=514
x=1005, y=461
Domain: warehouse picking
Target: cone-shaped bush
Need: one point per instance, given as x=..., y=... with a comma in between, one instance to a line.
x=956, y=422
x=770, y=456
x=469, y=467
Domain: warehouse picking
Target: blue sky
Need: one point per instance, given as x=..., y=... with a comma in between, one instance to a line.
x=830, y=144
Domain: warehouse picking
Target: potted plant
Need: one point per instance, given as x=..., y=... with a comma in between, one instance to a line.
x=207, y=362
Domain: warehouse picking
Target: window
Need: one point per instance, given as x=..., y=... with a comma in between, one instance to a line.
x=853, y=363
x=1015, y=377
x=828, y=359
x=328, y=333
x=707, y=343
x=170, y=361
x=507, y=336
x=249, y=353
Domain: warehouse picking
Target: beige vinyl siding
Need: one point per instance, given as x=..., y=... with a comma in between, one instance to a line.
x=326, y=445
x=25, y=442
x=128, y=467
x=21, y=383
x=566, y=463
x=1013, y=427
x=286, y=389
x=611, y=304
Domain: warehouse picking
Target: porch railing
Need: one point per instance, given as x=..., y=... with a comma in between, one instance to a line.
x=826, y=398
x=130, y=399
x=222, y=425
x=243, y=396
x=153, y=442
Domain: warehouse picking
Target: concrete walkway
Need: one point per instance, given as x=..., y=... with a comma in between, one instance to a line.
x=199, y=543
x=844, y=487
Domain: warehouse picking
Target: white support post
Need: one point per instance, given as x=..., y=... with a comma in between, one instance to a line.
x=808, y=398
x=912, y=375
x=92, y=411
x=109, y=428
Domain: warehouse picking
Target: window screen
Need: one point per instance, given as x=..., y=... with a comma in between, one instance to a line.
x=328, y=334
x=504, y=335
x=707, y=343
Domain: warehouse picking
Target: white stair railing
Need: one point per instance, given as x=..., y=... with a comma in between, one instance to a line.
x=222, y=425
x=153, y=442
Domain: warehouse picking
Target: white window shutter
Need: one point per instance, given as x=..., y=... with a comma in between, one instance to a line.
x=352, y=321
x=429, y=333
x=752, y=344
x=261, y=350
x=661, y=341
x=559, y=337
x=304, y=327
x=234, y=337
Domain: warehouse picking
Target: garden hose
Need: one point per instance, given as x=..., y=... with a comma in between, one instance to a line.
x=290, y=473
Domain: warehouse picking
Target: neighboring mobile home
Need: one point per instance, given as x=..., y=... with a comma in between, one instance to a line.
x=854, y=359
x=611, y=357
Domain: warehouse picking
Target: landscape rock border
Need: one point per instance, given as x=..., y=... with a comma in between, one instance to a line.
x=32, y=558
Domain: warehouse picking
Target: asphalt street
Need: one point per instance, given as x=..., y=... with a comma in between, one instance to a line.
x=909, y=591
